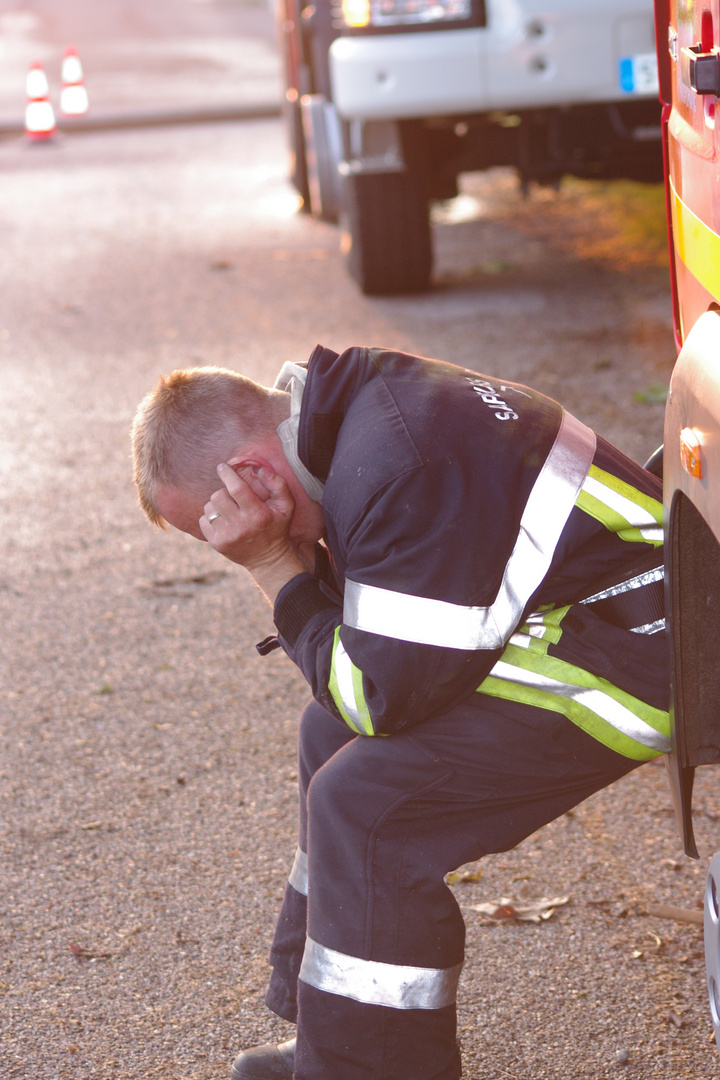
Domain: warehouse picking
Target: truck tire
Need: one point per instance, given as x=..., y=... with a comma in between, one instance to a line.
x=387, y=217
x=296, y=146
x=323, y=153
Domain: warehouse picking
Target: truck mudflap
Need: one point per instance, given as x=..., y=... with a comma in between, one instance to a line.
x=691, y=471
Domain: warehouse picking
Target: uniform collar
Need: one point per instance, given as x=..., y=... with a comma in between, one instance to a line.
x=291, y=380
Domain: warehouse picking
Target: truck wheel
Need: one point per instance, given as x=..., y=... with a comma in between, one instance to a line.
x=323, y=153
x=298, y=160
x=388, y=221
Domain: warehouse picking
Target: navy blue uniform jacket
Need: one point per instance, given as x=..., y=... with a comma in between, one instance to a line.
x=466, y=518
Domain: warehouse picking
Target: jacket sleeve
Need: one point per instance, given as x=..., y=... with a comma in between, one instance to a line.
x=409, y=547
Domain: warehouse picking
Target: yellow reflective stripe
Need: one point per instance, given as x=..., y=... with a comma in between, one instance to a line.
x=540, y=630
x=616, y=719
x=336, y=669
x=621, y=508
x=345, y=686
x=363, y=713
x=696, y=244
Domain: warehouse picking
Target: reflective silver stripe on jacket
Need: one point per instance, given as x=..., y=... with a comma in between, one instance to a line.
x=299, y=874
x=604, y=706
x=374, y=983
x=454, y=626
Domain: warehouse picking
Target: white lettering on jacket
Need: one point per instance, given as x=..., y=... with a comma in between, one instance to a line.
x=489, y=395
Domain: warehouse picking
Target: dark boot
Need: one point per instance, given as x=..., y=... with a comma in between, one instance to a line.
x=265, y=1063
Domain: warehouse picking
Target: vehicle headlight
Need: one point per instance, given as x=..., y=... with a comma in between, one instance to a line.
x=357, y=14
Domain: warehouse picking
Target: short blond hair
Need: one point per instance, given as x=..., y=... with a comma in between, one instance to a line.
x=191, y=421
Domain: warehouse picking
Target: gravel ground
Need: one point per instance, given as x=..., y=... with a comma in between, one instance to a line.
x=147, y=772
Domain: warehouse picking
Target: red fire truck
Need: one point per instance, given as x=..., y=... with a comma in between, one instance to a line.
x=688, y=40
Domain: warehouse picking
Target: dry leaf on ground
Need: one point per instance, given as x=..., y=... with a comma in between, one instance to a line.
x=507, y=910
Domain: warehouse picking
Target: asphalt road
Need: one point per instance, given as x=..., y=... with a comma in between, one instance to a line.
x=147, y=774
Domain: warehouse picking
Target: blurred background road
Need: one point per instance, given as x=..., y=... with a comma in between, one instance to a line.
x=147, y=753
x=171, y=57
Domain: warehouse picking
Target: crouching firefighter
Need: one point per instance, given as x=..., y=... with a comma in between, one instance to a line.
x=470, y=580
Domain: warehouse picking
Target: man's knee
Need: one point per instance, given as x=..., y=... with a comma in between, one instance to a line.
x=321, y=736
x=327, y=796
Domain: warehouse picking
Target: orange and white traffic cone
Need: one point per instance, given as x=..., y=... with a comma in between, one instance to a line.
x=39, y=113
x=73, y=96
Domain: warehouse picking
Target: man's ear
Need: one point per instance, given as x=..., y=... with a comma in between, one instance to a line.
x=253, y=461
x=240, y=463
x=247, y=468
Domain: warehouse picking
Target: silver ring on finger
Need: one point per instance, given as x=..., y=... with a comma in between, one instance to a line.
x=213, y=517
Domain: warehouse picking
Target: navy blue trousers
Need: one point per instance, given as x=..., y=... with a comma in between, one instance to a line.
x=382, y=820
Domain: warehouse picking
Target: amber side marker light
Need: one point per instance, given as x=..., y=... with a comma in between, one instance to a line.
x=691, y=452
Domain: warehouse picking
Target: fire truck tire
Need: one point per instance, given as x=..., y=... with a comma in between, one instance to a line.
x=387, y=227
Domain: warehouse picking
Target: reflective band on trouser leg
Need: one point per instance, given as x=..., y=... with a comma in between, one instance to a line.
x=636, y=582
x=649, y=628
x=621, y=508
x=299, y=874
x=396, y=986
x=639, y=581
x=456, y=626
x=618, y=720
x=345, y=685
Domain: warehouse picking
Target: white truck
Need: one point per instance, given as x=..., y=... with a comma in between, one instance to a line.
x=389, y=101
